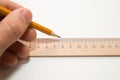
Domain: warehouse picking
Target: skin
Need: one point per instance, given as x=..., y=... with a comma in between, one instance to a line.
x=14, y=27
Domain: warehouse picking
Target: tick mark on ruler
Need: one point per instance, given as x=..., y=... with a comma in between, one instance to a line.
x=102, y=46
x=78, y=46
x=46, y=47
x=62, y=46
x=70, y=46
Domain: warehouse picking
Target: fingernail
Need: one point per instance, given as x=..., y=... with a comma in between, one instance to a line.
x=27, y=15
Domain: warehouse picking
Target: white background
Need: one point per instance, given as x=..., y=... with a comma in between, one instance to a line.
x=71, y=18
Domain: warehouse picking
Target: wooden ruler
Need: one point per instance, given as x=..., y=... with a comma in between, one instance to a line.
x=74, y=47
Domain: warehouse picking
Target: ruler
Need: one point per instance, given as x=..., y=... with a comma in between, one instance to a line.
x=74, y=47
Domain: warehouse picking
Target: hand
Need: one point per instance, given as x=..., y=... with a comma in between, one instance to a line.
x=12, y=28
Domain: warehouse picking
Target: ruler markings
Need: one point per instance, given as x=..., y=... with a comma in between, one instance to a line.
x=74, y=47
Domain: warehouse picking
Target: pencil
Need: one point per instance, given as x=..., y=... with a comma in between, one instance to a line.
x=4, y=11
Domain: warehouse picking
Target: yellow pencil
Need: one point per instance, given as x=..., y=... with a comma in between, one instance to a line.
x=4, y=11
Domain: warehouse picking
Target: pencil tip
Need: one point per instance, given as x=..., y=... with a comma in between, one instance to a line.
x=58, y=36
x=53, y=34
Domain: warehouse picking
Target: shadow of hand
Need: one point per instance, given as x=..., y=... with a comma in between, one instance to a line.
x=6, y=72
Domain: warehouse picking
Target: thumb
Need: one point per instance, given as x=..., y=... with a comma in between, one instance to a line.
x=13, y=26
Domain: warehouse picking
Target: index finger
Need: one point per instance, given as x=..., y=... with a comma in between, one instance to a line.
x=9, y=4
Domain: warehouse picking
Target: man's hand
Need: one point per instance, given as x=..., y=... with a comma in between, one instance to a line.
x=12, y=28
